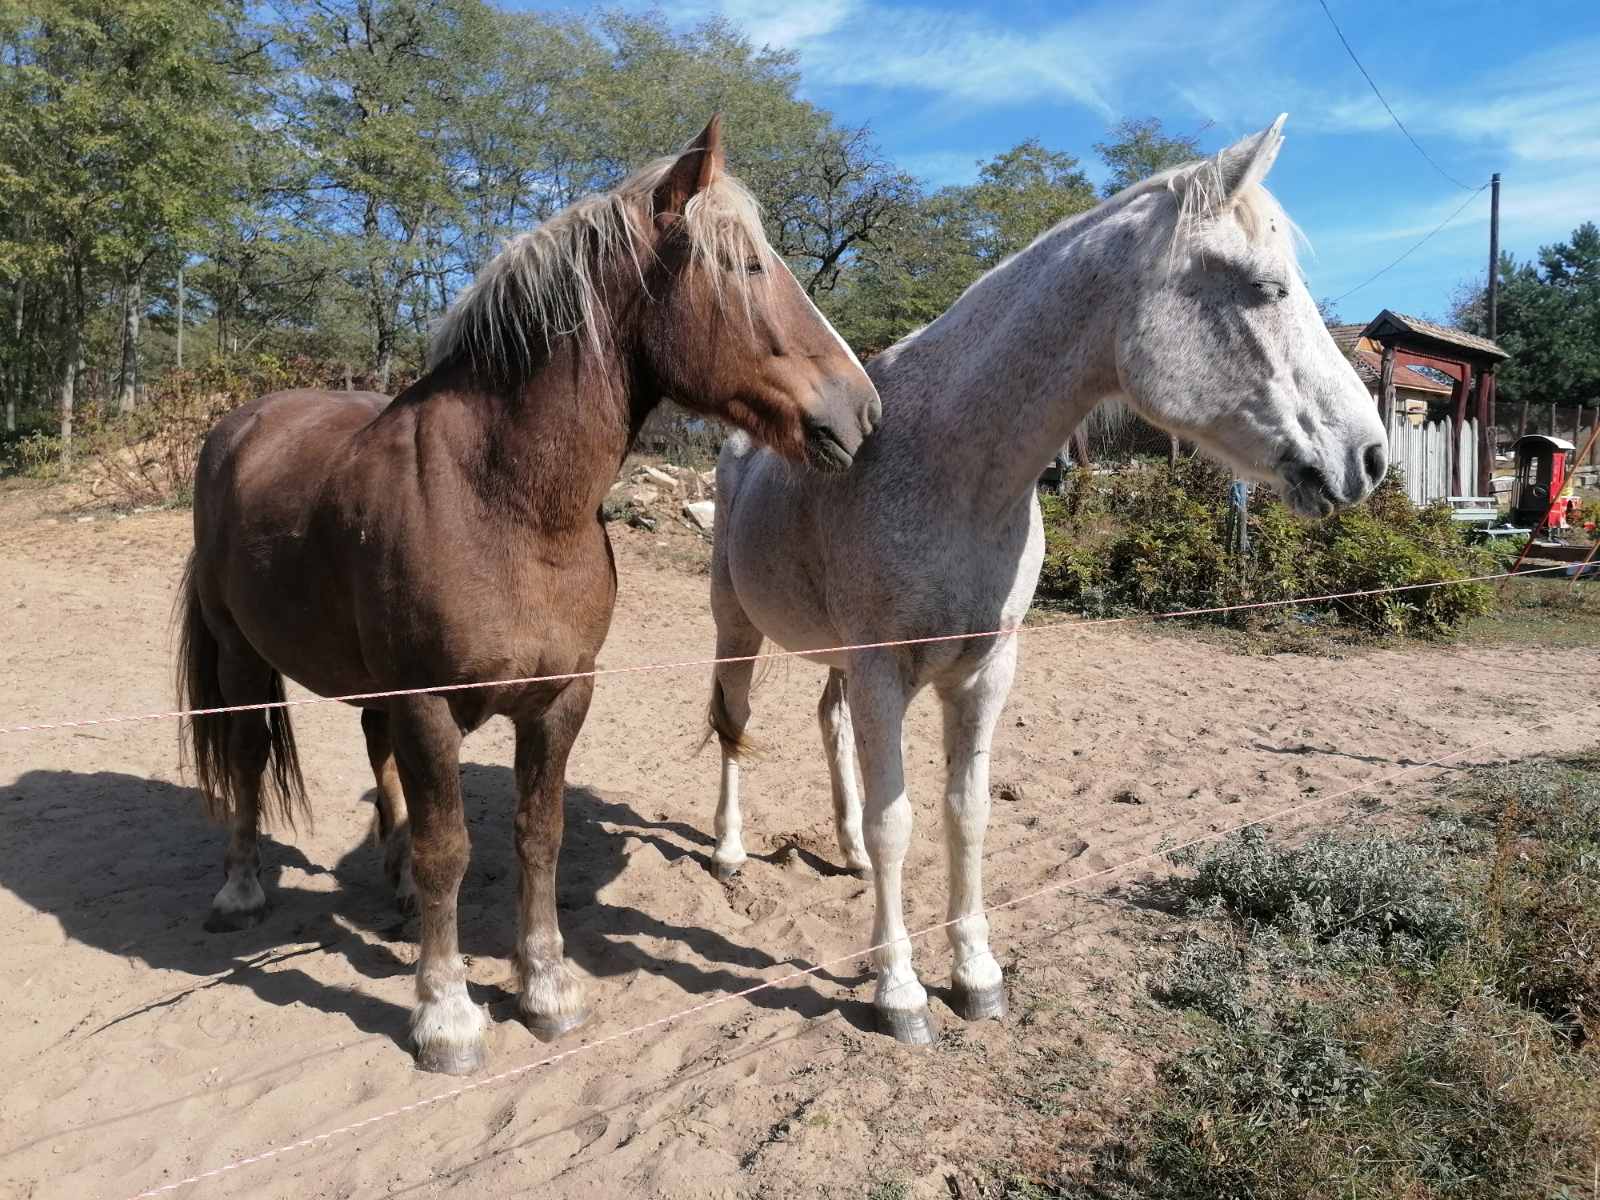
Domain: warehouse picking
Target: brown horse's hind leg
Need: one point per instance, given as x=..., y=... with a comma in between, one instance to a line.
x=839, y=744
x=551, y=993
x=241, y=903
x=446, y=1026
x=394, y=826
x=729, y=714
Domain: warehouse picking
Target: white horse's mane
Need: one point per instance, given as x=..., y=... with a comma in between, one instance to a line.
x=543, y=284
x=1202, y=198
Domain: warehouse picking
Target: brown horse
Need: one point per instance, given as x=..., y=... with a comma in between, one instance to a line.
x=454, y=535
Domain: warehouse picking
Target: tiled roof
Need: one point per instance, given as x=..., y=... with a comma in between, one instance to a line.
x=1370, y=367
x=1345, y=337
x=1392, y=321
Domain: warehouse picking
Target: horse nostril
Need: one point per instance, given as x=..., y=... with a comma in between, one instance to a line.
x=1375, y=458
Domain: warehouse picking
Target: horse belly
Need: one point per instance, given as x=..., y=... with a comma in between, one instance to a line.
x=775, y=570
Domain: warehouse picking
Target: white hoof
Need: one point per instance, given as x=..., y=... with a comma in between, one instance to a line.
x=552, y=1000
x=240, y=904
x=977, y=974
x=449, y=1034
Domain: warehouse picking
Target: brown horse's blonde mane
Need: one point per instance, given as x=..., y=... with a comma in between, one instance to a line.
x=548, y=283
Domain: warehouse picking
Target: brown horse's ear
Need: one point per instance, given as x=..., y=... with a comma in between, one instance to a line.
x=696, y=167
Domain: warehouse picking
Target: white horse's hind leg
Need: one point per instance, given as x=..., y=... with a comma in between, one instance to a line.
x=730, y=713
x=838, y=742
x=971, y=711
x=878, y=700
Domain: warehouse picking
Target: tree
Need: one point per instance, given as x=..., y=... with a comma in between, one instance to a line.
x=370, y=89
x=1548, y=321
x=1021, y=193
x=841, y=198
x=1140, y=149
x=946, y=240
x=115, y=126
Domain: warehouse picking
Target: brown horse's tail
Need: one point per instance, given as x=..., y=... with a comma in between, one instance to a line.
x=210, y=737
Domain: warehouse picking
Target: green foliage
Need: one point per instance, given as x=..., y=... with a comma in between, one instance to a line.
x=1334, y=899
x=1548, y=319
x=1142, y=148
x=1156, y=540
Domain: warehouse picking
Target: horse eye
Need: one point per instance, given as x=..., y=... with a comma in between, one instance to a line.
x=1272, y=289
x=754, y=266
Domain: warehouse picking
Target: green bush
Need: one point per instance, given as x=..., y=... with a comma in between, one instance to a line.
x=1157, y=540
x=1333, y=899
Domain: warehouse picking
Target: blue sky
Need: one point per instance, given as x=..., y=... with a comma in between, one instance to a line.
x=1508, y=87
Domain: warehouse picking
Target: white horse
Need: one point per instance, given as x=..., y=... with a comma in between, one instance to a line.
x=1181, y=296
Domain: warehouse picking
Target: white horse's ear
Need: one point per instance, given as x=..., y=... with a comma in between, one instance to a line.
x=1246, y=162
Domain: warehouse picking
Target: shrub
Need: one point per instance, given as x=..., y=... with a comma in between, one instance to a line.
x=1335, y=899
x=1157, y=540
x=150, y=456
x=1207, y=977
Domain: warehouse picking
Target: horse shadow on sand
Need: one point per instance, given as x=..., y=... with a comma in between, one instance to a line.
x=129, y=865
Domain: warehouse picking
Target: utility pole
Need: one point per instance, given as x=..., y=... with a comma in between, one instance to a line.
x=1494, y=254
x=1488, y=429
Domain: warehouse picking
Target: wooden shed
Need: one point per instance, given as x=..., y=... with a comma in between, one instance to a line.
x=1451, y=452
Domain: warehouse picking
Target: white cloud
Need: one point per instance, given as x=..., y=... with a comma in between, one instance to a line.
x=974, y=58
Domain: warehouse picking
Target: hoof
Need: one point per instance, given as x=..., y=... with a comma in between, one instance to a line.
x=725, y=872
x=442, y=1058
x=862, y=873
x=908, y=1026
x=979, y=1004
x=234, y=921
x=548, y=1029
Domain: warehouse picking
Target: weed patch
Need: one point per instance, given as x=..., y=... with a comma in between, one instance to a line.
x=1390, y=1018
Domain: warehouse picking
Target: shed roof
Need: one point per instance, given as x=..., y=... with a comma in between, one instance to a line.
x=1370, y=367
x=1415, y=333
x=1345, y=337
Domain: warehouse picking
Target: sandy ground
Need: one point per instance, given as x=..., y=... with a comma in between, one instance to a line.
x=138, y=1049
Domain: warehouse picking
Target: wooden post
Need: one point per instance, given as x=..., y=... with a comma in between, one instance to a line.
x=1552, y=430
x=1577, y=427
x=1488, y=436
x=180, y=318
x=1458, y=416
x=1386, y=390
x=1172, y=450
x=349, y=385
x=1522, y=419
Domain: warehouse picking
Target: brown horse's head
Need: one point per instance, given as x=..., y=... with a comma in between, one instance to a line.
x=669, y=281
x=726, y=329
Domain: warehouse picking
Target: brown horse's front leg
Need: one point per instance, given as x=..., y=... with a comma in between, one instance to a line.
x=446, y=1026
x=551, y=993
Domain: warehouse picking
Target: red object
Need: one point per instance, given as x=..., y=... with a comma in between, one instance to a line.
x=1543, y=466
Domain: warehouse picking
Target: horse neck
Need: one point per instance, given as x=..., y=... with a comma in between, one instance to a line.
x=1012, y=368
x=543, y=450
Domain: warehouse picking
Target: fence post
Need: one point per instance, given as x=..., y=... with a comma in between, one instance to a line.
x=1238, y=519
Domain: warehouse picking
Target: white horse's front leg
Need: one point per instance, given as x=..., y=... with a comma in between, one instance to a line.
x=878, y=701
x=971, y=711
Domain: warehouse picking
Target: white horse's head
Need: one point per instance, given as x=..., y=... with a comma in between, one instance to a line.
x=1223, y=345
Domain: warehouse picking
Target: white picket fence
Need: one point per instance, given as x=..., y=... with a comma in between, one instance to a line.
x=1422, y=452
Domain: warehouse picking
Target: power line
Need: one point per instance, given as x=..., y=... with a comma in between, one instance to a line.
x=1413, y=249
x=1398, y=123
